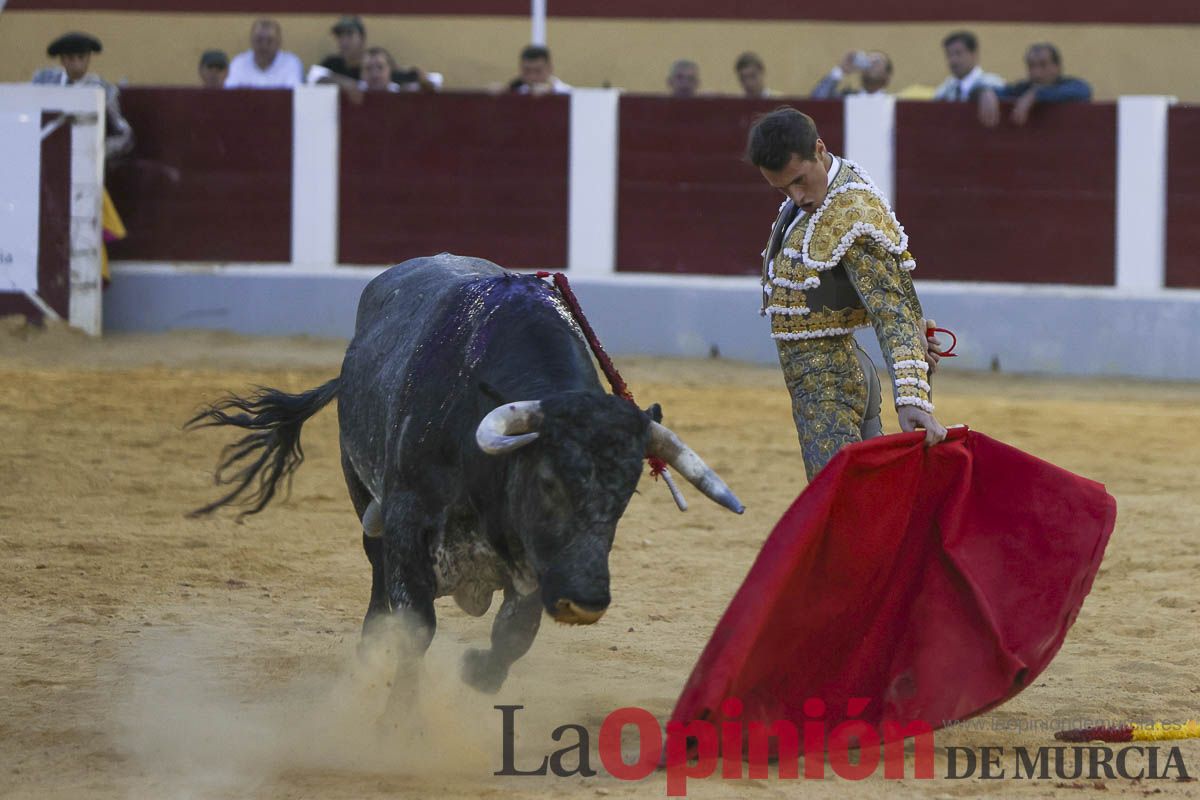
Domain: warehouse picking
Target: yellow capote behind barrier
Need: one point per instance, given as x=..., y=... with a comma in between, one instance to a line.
x=113, y=231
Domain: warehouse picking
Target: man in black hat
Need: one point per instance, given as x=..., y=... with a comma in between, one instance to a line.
x=74, y=51
x=214, y=69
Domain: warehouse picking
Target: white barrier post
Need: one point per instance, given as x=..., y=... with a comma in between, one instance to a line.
x=537, y=22
x=592, y=203
x=87, y=229
x=315, y=126
x=870, y=130
x=1141, y=192
x=21, y=109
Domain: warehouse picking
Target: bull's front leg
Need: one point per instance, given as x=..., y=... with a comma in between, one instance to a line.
x=409, y=586
x=409, y=581
x=513, y=633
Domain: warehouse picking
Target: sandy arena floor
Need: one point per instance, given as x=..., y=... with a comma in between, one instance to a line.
x=146, y=655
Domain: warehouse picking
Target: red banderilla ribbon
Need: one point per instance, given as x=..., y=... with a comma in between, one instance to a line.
x=949, y=352
x=619, y=387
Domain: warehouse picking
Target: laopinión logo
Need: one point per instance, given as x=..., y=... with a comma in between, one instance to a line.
x=694, y=750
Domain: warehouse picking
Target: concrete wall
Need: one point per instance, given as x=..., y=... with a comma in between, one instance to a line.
x=1021, y=329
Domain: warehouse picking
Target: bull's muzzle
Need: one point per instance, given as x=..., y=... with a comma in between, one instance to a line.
x=569, y=612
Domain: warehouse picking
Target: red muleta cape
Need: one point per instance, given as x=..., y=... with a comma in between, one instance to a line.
x=936, y=582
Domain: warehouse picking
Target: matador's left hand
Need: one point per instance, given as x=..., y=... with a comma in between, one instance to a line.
x=912, y=418
x=933, y=346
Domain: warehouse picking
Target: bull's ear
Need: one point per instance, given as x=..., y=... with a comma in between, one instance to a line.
x=655, y=413
x=490, y=392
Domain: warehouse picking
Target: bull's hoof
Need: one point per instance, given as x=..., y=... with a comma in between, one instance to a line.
x=480, y=672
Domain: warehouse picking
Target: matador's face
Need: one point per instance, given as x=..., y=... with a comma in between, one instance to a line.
x=804, y=181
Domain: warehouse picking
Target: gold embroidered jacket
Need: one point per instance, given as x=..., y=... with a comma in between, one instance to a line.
x=844, y=267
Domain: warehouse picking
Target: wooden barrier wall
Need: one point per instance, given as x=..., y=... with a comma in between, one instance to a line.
x=1183, y=197
x=211, y=181
x=1031, y=204
x=686, y=201
x=210, y=178
x=469, y=174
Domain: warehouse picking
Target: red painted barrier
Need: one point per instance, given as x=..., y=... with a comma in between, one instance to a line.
x=1183, y=197
x=1026, y=204
x=210, y=178
x=686, y=201
x=468, y=174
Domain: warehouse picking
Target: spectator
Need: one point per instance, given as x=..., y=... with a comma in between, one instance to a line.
x=967, y=78
x=347, y=69
x=684, y=78
x=214, y=69
x=351, y=37
x=264, y=65
x=537, y=74
x=1045, y=84
x=379, y=73
x=74, y=52
x=751, y=73
x=876, y=69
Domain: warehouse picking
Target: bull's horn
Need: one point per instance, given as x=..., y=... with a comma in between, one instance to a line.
x=509, y=427
x=667, y=446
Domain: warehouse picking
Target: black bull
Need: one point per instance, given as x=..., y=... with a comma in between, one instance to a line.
x=480, y=451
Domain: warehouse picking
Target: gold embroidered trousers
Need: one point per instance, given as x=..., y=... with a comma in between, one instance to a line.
x=835, y=395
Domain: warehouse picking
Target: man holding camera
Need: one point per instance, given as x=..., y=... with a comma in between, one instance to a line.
x=873, y=66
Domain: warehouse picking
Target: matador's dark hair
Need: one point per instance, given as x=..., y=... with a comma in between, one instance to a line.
x=774, y=137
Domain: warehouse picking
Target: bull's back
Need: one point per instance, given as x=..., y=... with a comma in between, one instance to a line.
x=401, y=373
x=404, y=305
x=402, y=298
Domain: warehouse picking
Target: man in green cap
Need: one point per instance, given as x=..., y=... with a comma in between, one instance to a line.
x=346, y=68
x=213, y=69
x=74, y=52
x=351, y=37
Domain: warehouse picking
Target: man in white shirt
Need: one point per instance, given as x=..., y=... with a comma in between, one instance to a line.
x=683, y=80
x=264, y=65
x=967, y=78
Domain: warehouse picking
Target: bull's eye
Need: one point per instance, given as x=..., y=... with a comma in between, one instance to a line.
x=551, y=487
x=548, y=481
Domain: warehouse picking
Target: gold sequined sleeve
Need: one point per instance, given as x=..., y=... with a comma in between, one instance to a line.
x=887, y=293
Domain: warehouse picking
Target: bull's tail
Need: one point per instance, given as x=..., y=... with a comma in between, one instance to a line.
x=256, y=463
